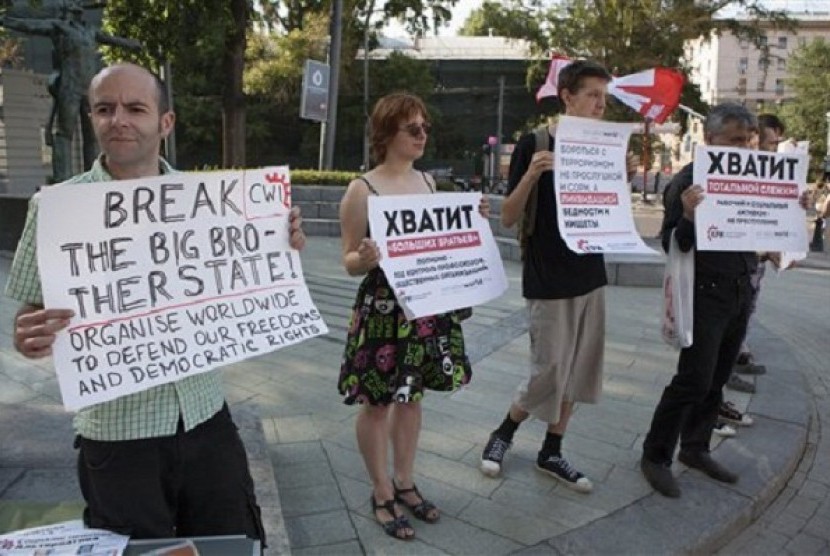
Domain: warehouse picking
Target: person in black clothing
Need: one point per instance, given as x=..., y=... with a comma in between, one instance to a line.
x=688, y=409
x=564, y=292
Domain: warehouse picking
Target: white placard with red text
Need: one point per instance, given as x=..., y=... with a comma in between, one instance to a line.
x=750, y=200
x=169, y=277
x=593, y=202
x=437, y=251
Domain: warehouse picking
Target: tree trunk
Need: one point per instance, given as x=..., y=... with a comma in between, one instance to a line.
x=233, y=99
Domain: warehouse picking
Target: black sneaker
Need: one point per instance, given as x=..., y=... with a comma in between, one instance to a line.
x=660, y=477
x=493, y=455
x=746, y=366
x=559, y=468
x=729, y=413
x=740, y=385
x=703, y=461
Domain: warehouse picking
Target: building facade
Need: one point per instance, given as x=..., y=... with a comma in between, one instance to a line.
x=728, y=69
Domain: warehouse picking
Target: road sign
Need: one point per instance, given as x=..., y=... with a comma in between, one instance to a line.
x=315, y=97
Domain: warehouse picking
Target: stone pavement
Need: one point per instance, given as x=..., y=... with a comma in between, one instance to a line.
x=323, y=490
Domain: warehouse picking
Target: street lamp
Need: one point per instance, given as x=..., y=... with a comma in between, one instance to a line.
x=369, y=10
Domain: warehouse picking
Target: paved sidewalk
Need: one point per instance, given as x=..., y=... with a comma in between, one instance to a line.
x=324, y=490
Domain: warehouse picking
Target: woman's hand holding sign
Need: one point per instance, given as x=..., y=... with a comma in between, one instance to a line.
x=484, y=207
x=35, y=329
x=368, y=253
x=691, y=198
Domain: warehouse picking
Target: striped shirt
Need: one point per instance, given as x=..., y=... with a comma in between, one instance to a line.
x=148, y=414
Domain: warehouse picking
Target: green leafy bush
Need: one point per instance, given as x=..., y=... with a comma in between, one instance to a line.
x=322, y=177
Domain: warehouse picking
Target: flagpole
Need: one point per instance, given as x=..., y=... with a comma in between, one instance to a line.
x=691, y=112
x=646, y=156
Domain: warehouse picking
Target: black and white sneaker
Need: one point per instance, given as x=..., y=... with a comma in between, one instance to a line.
x=559, y=468
x=724, y=429
x=729, y=413
x=493, y=455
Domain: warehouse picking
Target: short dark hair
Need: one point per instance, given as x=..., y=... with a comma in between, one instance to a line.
x=161, y=89
x=770, y=121
x=572, y=75
x=723, y=114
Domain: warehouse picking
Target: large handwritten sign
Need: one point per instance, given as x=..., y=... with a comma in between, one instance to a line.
x=437, y=251
x=750, y=200
x=593, y=203
x=169, y=276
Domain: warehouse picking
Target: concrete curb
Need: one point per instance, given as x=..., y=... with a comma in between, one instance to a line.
x=709, y=514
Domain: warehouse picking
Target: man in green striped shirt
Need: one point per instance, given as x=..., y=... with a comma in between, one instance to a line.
x=167, y=461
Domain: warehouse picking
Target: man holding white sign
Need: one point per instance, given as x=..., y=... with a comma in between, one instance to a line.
x=167, y=461
x=564, y=292
x=688, y=408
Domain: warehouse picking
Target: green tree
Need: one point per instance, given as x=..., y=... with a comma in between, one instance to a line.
x=625, y=36
x=515, y=19
x=805, y=114
x=202, y=41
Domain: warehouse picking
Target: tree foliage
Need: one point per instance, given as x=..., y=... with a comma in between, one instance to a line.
x=515, y=19
x=626, y=36
x=805, y=115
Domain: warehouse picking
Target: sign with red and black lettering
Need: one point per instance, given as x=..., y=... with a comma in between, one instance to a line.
x=437, y=250
x=751, y=200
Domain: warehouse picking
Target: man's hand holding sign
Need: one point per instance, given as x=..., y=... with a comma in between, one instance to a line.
x=179, y=274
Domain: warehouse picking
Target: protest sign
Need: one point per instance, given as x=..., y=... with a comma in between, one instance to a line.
x=593, y=203
x=750, y=200
x=438, y=253
x=69, y=537
x=169, y=276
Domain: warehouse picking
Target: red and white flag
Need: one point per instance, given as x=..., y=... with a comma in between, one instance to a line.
x=549, y=87
x=654, y=93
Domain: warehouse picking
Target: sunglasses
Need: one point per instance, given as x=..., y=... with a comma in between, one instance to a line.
x=414, y=130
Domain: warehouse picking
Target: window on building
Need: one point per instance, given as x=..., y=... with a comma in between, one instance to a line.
x=782, y=63
x=779, y=86
x=782, y=42
x=743, y=43
x=763, y=64
x=762, y=40
x=761, y=84
x=742, y=86
x=742, y=65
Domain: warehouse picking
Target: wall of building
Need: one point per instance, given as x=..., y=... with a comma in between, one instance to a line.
x=25, y=160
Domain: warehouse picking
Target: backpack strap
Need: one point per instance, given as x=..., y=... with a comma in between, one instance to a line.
x=541, y=139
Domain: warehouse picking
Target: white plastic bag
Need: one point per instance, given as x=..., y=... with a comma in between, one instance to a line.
x=678, y=296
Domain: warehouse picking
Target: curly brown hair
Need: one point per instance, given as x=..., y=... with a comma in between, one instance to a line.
x=387, y=115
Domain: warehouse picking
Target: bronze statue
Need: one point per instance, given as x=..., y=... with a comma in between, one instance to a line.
x=76, y=61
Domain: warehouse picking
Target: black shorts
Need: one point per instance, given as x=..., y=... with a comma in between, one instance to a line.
x=194, y=483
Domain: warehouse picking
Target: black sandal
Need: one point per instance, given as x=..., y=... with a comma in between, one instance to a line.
x=422, y=509
x=394, y=526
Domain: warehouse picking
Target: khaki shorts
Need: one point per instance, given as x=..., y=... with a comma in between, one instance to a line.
x=567, y=341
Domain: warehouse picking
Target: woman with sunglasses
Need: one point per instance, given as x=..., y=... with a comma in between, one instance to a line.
x=389, y=361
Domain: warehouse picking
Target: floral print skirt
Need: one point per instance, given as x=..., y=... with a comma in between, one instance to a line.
x=389, y=358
